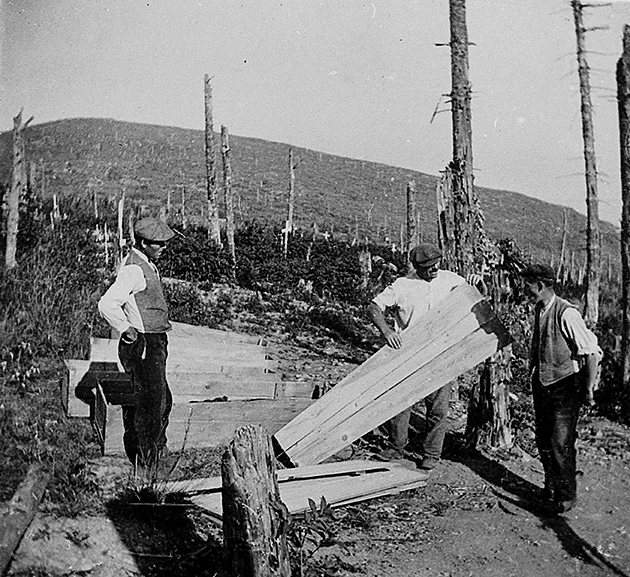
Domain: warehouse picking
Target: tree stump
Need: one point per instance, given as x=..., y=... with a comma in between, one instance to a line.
x=255, y=520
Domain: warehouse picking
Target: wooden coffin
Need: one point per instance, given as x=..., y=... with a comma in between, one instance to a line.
x=459, y=333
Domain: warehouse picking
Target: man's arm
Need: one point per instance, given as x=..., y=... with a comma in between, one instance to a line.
x=590, y=372
x=130, y=280
x=378, y=318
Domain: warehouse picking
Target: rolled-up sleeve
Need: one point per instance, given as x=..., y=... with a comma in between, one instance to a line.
x=574, y=328
x=114, y=305
x=387, y=298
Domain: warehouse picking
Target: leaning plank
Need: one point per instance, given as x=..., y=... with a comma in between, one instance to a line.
x=198, y=425
x=460, y=333
x=76, y=373
x=364, y=480
x=17, y=514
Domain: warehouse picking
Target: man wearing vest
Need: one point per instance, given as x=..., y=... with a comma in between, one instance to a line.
x=564, y=360
x=135, y=306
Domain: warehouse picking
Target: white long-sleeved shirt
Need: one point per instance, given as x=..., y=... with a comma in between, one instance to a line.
x=118, y=305
x=574, y=329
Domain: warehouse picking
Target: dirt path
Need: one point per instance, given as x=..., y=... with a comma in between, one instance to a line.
x=477, y=516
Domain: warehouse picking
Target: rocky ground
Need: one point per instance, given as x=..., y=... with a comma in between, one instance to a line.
x=479, y=514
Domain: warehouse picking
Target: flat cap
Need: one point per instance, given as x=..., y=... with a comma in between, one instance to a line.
x=153, y=229
x=425, y=255
x=538, y=272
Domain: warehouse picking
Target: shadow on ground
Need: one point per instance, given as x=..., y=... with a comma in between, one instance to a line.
x=516, y=491
x=168, y=538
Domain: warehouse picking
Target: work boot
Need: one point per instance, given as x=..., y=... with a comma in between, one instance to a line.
x=429, y=463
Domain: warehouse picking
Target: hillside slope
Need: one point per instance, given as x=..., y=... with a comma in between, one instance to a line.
x=80, y=156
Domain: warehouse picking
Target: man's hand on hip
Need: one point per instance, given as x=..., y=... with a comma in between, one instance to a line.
x=129, y=336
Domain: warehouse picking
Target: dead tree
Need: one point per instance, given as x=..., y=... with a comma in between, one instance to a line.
x=17, y=190
x=623, y=103
x=212, y=188
x=227, y=191
x=255, y=520
x=466, y=248
x=288, y=227
x=412, y=217
x=591, y=299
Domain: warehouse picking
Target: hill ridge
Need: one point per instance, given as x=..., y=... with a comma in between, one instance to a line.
x=154, y=162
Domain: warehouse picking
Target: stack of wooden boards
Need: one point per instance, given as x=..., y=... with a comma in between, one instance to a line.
x=220, y=381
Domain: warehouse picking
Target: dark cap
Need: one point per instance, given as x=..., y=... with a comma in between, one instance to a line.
x=425, y=255
x=152, y=229
x=538, y=272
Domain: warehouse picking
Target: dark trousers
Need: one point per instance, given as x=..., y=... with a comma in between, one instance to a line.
x=557, y=408
x=145, y=423
x=436, y=423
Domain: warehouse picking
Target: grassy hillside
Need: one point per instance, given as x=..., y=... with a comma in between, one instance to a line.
x=79, y=156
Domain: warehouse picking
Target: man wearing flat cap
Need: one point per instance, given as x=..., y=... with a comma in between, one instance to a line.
x=408, y=298
x=564, y=363
x=135, y=306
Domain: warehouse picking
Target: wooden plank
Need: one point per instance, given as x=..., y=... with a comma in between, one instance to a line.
x=183, y=330
x=99, y=418
x=294, y=389
x=355, y=466
x=457, y=335
x=337, y=487
x=76, y=371
x=197, y=425
x=106, y=350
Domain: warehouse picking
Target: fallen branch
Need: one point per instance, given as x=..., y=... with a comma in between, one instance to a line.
x=16, y=515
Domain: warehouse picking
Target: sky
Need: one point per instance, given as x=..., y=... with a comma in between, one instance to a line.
x=365, y=80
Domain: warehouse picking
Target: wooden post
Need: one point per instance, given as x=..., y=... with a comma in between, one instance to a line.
x=254, y=518
x=17, y=191
x=212, y=188
x=623, y=103
x=593, y=243
x=227, y=190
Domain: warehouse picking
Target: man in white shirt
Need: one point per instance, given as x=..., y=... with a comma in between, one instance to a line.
x=135, y=306
x=409, y=297
x=564, y=363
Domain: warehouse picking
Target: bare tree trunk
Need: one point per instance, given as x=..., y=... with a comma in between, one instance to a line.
x=288, y=227
x=462, y=236
x=17, y=191
x=412, y=217
x=255, y=520
x=591, y=300
x=212, y=188
x=623, y=102
x=227, y=189
x=562, y=264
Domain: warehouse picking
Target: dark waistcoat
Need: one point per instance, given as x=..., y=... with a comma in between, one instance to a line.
x=151, y=302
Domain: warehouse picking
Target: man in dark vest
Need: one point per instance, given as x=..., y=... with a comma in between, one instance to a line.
x=135, y=306
x=564, y=369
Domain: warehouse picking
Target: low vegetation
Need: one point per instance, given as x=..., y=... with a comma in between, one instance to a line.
x=317, y=290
